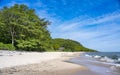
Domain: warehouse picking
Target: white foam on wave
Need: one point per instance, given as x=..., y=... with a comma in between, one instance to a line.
x=112, y=63
x=106, y=59
x=118, y=59
x=100, y=58
x=88, y=55
x=97, y=57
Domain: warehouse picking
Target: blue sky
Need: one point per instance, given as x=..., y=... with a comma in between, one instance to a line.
x=94, y=23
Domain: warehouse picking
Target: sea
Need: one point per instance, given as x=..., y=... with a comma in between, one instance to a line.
x=108, y=57
x=100, y=63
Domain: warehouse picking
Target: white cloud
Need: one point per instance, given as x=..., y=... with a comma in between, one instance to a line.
x=88, y=21
x=101, y=34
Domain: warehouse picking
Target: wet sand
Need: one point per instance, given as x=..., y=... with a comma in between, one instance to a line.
x=94, y=67
x=85, y=72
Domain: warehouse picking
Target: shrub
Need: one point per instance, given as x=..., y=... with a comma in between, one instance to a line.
x=6, y=46
x=31, y=45
x=56, y=46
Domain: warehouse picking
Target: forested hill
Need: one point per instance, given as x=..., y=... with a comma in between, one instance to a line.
x=68, y=45
x=22, y=29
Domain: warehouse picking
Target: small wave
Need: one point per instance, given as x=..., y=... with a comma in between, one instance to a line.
x=97, y=57
x=88, y=55
x=116, y=68
x=112, y=61
x=106, y=59
x=118, y=61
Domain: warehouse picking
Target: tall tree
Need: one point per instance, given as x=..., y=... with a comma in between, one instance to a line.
x=20, y=23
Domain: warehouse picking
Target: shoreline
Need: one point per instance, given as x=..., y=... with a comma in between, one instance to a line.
x=52, y=63
x=95, y=67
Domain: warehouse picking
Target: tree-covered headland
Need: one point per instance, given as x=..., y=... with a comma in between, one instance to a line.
x=22, y=29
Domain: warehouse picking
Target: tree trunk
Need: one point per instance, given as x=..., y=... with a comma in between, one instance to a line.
x=12, y=35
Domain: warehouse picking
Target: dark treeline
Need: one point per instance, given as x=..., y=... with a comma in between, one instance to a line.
x=22, y=29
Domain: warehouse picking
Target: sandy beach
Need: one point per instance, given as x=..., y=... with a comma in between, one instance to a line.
x=36, y=63
x=52, y=63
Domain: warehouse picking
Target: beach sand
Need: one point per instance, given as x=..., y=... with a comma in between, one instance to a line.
x=53, y=67
x=51, y=63
x=35, y=63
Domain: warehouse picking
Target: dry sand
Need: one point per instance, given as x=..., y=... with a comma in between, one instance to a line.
x=35, y=63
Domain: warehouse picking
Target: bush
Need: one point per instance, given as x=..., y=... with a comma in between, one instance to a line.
x=56, y=46
x=6, y=46
x=31, y=45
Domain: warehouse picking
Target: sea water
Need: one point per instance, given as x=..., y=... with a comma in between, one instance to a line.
x=108, y=58
x=102, y=63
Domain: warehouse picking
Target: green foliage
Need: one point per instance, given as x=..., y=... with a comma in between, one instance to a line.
x=21, y=27
x=31, y=45
x=6, y=46
x=56, y=46
x=68, y=45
